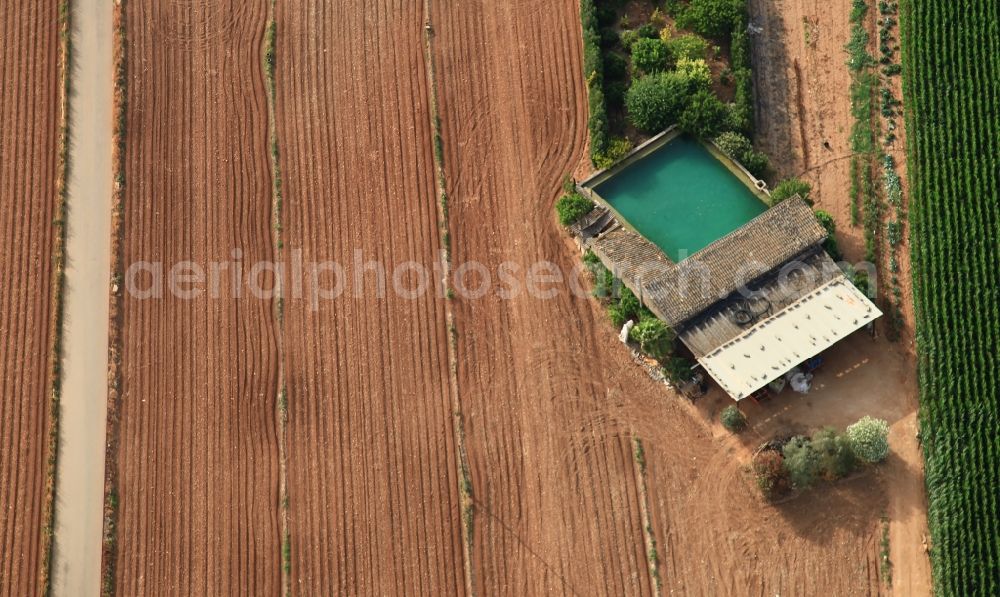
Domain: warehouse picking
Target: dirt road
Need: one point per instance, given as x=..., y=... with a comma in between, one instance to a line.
x=30, y=119
x=80, y=474
x=372, y=473
x=197, y=461
x=802, y=83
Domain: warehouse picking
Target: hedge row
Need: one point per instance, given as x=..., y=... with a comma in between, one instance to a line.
x=593, y=74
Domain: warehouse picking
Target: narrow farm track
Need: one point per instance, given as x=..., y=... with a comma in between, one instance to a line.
x=556, y=497
x=197, y=464
x=29, y=133
x=371, y=461
x=79, y=515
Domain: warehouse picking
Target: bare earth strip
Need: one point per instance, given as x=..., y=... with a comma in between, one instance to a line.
x=371, y=460
x=80, y=475
x=29, y=130
x=556, y=496
x=802, y=82
x=198, y=458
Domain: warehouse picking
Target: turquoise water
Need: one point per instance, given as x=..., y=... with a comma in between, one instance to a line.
x=681, y=198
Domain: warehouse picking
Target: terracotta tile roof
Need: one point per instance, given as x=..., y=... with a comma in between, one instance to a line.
x=676, y=292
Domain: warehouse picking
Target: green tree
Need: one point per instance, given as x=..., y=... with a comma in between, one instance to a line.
x=789, y=188
x=801, y=461
x=869, y=439
x=571, y=207
x=704, y=115
x=650, y=55
x=655, y=101
x=713, y=18
x=836, y=459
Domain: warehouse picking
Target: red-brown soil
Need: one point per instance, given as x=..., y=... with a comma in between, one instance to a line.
x=29, y=134
x=197, y=460
x=371, y=457
x=556, y=501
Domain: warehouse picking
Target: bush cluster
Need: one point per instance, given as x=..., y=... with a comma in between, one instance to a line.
x=827, y=455
x=654, y=102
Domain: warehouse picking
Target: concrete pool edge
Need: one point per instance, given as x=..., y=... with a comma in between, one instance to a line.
x=646, y=148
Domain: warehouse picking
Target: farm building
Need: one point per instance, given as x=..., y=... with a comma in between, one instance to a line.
x=751, y=305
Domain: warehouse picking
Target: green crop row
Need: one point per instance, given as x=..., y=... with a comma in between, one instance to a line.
x=951, y=69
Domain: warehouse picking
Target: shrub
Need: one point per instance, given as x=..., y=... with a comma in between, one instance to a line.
x=571, y=207
x=740, y=149
x=657, y=19
x=770, y=474
x=789, y=188
x=704, y=115
x=801, y=461
x=629, y=303
x=677, y=369
x=860, y=280
x=733, y=419
x=712, y=18
x=656, y=101
x=869, y=439
x=836, y=459
x=629, y=37
x=697, y=74
x=650, y=55
x=654, y=337
x=617, y=315
x=830, y=245
x=648, y=31
x=617, y=149
x=688, y=46
x=826, y=220
x=604, y=280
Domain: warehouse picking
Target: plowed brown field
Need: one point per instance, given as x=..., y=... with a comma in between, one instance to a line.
x=557, y=507
x=29, y=133
x=372, y=473
x=197, y=464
